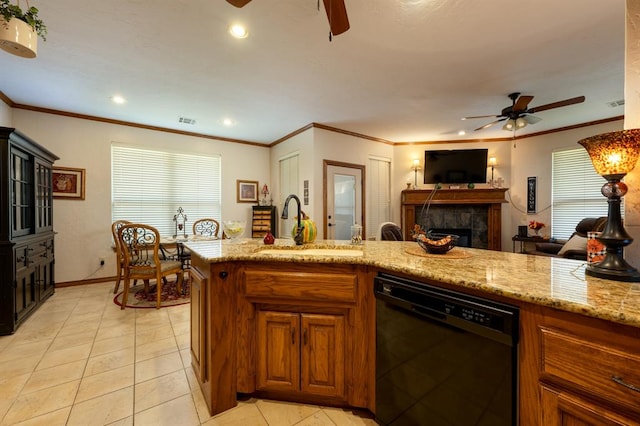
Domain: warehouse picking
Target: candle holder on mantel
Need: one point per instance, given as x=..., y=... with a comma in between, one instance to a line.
x=180, y=220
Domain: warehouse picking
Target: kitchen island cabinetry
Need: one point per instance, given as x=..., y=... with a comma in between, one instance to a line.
x=301, y=353
x=578, y=340
x=588, y=371
x=298, y=332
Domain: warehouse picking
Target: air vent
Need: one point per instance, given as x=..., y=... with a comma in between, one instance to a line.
x=186, y=120
x=615, y=104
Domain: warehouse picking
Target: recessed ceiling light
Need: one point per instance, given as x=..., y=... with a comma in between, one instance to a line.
x=238, y=31
x=228, y=122
x=117, y=99
x=462, y=133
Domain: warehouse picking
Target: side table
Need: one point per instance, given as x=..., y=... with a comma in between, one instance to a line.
x=527, y=239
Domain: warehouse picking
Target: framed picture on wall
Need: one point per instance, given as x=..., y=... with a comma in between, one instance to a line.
x=68, y=183
x=247, y=191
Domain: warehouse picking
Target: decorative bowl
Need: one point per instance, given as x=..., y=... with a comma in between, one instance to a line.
x=234, y=228
x=437, y=243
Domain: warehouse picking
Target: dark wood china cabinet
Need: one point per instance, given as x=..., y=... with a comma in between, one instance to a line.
x=26, y=227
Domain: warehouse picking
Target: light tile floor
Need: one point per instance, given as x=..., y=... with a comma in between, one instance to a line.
x=80, y=360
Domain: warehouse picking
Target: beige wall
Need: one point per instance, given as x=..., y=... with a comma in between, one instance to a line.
x=83, y=227
x=632, y=121
x=5, y=115
x=532, y=157
x=314, y=146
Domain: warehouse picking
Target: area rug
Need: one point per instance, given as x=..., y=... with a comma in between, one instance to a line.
x=138, y=298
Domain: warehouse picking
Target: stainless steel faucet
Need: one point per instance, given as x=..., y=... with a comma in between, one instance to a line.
x=299, y=237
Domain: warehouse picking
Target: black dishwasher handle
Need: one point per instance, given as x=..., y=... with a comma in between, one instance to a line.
x=428, y=313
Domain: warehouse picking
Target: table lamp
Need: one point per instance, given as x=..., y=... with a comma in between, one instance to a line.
x=492, y=163
x=614, y=155
x=415, y=166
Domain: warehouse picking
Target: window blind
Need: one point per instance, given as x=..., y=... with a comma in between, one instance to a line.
x=575, y=192
x=378, y=195
x=149, y=186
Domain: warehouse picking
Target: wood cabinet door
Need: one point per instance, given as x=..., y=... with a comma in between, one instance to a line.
x=564, y=409
x=322, y=354
x=198, y=322
x=278, y=351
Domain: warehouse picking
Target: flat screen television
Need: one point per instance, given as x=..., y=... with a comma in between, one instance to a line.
x=455, y=166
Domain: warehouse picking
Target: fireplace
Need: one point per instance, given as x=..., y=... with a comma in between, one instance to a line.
x=473, y=213
x=463, y=233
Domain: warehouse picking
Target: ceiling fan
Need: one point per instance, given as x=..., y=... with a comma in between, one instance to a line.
x=336, y=13
x=518, y=115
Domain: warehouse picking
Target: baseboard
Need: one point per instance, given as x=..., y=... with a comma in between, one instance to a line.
x=84, y=282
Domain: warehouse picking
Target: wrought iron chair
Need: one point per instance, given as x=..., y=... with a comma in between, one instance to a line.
x=143, y=260
x=115, y=227
x=207, y=227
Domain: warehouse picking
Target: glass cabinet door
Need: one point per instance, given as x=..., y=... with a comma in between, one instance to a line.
x=22, y=196
x=44, y=197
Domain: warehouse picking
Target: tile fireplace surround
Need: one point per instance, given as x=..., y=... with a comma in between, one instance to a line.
x=479, y=210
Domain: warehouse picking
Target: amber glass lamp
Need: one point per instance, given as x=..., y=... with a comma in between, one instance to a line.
x=613, y=156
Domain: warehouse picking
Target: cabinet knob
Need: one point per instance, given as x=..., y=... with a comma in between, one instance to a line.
x=223, y=274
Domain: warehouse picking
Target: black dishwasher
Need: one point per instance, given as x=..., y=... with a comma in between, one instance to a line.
x=443, y=357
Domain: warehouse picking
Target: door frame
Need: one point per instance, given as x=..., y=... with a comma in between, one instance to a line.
x=325, y=165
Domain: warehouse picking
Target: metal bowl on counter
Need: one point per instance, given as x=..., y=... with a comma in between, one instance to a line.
x=437, y=243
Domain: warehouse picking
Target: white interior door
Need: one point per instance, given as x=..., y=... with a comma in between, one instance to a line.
x=288, y=185
x=344, y=200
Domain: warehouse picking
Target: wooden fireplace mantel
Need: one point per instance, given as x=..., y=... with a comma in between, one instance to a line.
x=493, y=198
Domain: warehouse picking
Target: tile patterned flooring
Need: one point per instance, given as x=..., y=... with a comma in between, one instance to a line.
x=80, y=360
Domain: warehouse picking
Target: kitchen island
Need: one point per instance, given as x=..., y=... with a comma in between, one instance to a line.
x=254, y=311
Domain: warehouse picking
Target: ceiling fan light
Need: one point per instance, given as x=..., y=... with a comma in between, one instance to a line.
x=521, y=122
x=238, y=31
x=509, y=125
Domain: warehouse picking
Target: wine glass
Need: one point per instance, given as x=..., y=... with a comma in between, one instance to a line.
x=234, y=228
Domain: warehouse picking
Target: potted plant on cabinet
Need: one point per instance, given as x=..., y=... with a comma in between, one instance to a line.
x=19, y=30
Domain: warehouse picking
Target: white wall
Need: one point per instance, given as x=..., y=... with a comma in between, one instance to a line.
x=83, y=227
x=6, y=115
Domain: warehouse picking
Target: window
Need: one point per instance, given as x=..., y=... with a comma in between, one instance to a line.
x=378, y=194
x=149, y=186
x=575, y=192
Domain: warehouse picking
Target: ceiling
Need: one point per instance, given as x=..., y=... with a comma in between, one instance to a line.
x=407, y=70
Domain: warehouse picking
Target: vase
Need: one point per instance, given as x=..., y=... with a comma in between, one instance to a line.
x=18, y=37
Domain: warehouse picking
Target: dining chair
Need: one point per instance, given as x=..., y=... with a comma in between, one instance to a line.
x=206, y=227
x=143, y=259
x=115, y=227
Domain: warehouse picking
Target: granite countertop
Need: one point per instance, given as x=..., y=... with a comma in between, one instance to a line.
x=554, y=282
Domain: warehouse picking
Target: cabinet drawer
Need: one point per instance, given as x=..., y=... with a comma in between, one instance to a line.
x=301, y=285
x=595, y=368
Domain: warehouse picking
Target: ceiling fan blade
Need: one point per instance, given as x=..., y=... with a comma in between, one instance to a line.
x=480, y=116
x=238, y=3
x=531, y=119
x=558, y=104
x=490, y=124
x=522, y=103
x=337, y=15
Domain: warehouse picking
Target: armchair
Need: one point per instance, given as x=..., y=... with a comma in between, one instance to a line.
x=576, y=246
